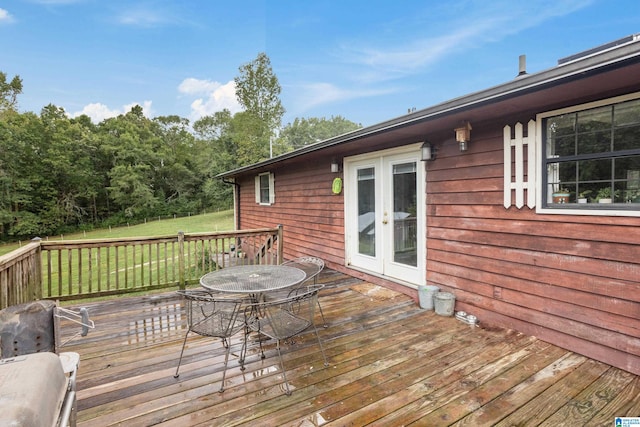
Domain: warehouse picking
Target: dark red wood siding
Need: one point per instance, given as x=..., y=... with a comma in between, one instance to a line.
x=571, y=280
x=311, y=215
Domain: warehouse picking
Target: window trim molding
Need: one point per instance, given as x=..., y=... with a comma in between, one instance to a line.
x=272, y=192
x=540, y=206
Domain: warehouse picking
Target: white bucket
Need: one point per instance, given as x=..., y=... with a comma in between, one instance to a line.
x=444, y=303
x=425, y=296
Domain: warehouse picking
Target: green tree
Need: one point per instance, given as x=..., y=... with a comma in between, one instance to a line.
x=66, y=170
x=177, y=177
x=129, y=188
x=11, y=153
x=310, y=131
x=20, y=151
x=248, y=133
x=93, y=171
x=9, y=91
x=59, y=173
x=131, y=144
x=218, y=153
x=258, y=91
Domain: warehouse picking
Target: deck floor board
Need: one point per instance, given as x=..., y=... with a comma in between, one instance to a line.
x=391, y=363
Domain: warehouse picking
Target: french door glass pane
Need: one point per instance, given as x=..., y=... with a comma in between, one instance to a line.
x=367, y=211
x=404, y=214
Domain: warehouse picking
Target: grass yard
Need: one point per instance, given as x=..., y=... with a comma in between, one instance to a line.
x=218, y=221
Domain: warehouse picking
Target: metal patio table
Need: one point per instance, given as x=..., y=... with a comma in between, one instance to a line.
x=252, y=279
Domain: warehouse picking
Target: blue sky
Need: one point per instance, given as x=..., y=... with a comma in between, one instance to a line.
x=366, y=60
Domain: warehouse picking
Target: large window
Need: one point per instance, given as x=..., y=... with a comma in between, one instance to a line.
x=591, y=157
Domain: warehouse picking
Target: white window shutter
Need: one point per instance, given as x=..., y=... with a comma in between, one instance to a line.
x=272, y=189
x=514, y=155
x=257, y=185
x=532, y=164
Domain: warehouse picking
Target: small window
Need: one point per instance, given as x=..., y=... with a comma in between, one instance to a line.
x=265, y=194
x=591, y=157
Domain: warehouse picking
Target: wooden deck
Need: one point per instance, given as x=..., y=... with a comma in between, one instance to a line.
x=391, y=363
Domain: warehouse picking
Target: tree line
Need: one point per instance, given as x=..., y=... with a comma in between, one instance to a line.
x=60, y=174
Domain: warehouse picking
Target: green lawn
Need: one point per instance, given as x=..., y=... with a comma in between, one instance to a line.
x=218, y=221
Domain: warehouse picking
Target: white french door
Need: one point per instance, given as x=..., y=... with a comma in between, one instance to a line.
x=385, y=213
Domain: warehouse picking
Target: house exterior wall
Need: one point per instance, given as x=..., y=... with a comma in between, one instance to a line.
x=570, y=280
x=311, y=215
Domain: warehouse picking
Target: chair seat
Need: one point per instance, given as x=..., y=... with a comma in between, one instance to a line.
x=212, y=323
x=280, y=323
x=284, y=319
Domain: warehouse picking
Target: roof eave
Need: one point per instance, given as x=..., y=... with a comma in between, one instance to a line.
x=522, y=84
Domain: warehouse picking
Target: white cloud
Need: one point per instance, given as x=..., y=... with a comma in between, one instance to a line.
x=214, y=96
x=56, y=2
x=481, y=23
x=152, y=16
x=141, y=18
x=5, y=16
x=316, y=94
x=99, y=112
x=191, y=86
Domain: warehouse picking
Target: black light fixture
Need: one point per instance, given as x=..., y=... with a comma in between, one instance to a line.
x=335, y=166
x=428, y=151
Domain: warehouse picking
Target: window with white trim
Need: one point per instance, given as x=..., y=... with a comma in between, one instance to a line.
x=265, y=193
x=591, y=156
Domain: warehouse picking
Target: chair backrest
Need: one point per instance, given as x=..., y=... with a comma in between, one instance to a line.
x=312, y=266
x=28, y=328
x=287, y=317
x=213, y=315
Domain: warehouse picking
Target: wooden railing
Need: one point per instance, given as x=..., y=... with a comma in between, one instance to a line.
x=75, y=269
x=21, y=275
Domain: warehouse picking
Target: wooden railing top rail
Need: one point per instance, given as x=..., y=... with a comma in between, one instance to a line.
x=101, y=243
x=86, y=243
x=15, y=255
x=239, y=233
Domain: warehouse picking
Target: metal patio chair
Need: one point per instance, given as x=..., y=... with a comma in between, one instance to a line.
x=216, y=315
x=312, y=266
x=284, y=319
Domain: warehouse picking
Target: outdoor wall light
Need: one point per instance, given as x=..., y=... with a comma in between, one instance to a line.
x=335, y=166
x=428, y=151
x=463, y=136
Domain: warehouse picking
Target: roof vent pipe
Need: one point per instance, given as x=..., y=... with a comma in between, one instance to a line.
x=522, y=65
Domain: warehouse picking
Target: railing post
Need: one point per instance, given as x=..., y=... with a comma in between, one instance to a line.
x=280, y=244
x=181, y=262
x=36, y=281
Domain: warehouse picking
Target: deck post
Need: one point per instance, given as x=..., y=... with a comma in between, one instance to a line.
x=36, y=282
x=181, y=265
x=280, y=245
